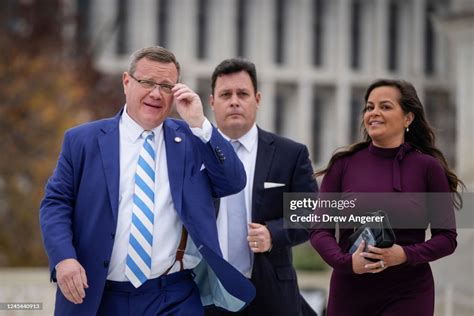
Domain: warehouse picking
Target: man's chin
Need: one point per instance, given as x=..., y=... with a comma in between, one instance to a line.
x=236, y=124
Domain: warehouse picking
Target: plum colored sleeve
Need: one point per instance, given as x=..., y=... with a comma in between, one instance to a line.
x=324, y=239
x=443, y=233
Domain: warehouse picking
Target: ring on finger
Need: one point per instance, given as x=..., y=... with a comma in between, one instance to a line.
x=382, y=264
x=255, y=244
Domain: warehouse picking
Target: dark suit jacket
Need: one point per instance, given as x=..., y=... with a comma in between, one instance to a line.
x=78, y=214
x=279, y=160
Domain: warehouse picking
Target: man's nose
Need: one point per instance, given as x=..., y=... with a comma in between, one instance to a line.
x=234, y=101
x=155, y=93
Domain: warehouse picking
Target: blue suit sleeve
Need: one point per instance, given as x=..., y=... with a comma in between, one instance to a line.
x=225, y=170
x=56, y=210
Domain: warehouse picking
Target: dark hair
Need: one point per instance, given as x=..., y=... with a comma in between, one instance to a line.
x=420, y=136
x=233, y=65
x=153, y=53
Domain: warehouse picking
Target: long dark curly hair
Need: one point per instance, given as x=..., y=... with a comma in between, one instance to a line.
x=420, y=136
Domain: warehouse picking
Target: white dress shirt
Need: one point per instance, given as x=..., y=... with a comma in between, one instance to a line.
x=167, y=225
x=248, y=155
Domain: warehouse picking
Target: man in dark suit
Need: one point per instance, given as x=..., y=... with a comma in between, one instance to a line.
x=126, y=192
x=255, y=241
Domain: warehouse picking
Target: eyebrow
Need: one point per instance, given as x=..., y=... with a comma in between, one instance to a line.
x=383, y=101
x=231, y=89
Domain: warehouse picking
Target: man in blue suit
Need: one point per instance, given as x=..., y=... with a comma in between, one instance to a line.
x=124, y=196
x=259, y=246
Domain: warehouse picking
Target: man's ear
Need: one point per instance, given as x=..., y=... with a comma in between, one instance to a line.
x=211, y=101
x=125, y=82
x=258, y=97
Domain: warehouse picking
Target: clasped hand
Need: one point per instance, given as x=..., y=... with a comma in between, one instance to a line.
x=259, y=238
x=386, y=257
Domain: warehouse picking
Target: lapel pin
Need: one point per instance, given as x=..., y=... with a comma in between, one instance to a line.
x=177, y=139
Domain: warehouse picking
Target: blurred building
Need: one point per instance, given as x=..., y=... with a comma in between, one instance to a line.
x=314, y=57
x=458, y=25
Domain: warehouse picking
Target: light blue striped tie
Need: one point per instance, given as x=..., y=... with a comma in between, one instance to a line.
x=239, y=250
x=141, y=232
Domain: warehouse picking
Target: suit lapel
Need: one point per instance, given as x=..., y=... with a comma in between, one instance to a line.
x=265, y=152
x=110, y=153
x=175, y=143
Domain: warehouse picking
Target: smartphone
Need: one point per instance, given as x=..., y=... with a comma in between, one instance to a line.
x=367, y=236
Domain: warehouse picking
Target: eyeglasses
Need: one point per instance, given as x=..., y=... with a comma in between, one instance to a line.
x=150, y=85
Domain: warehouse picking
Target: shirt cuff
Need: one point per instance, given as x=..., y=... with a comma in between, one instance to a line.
x=205, y=132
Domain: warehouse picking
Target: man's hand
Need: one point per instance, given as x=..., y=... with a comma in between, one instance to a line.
x=188, y=105
x=259, y=238
x=72, y=280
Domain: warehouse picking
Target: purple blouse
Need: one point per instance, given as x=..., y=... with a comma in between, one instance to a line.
x=401, y=169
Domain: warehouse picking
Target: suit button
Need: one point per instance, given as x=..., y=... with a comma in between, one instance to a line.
x=106, y=264
x=112, y=235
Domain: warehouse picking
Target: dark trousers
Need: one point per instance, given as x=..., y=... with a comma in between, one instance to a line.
x=306, y=310
x=174, y=294
x=215, y=311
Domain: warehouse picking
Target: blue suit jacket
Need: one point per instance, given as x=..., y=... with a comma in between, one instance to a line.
x=78, y=214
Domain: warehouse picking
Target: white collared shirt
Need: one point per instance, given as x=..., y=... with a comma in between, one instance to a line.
x=248, y=155
x=167, y=225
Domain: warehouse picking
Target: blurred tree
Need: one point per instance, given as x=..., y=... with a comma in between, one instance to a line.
x=44, y=89
x=39, y=101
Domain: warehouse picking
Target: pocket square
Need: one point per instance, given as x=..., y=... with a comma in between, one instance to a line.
x=269, y=185
x=202, y=167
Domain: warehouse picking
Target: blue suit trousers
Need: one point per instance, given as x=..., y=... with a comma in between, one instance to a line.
x=174, y=294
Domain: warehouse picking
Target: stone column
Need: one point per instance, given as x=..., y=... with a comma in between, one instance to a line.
x=142, y=27
x=458, y=26
x=304, y=113
x=342, y=99
x=222, y=32
x=266, y=112
x=381, y=37
x=183, y=26
x=460, y=30
x=418, y=46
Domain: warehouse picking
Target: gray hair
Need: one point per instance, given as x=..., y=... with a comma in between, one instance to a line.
x=153, y=53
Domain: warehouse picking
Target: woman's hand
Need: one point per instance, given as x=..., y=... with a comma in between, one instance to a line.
x=387, y=257
x=359, y=263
